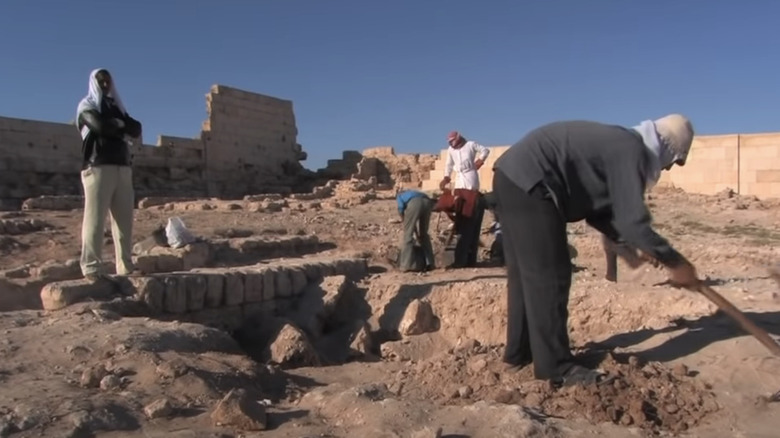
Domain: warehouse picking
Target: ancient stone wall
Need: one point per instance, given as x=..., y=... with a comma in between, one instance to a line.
x=251, y=143
x=247, y=145
x=749, y=164
x=382, y=164
x=218, y=297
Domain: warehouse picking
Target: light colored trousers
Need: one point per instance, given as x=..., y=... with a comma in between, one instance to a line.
x=107, y=189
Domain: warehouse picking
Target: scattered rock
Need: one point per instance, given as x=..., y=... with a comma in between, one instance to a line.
x=237, y=409
x=110, y=383
x=362, y=343
x=92, y=376
x=465, y=391
x=418, y=319
x=172, y=369
x=158, y=409
x=28, y=418
x=292, y=348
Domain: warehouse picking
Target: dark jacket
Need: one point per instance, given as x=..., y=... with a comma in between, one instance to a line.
x=105, y=143
x=594, y=172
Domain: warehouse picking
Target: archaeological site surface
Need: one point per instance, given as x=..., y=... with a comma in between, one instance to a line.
x=286, y=318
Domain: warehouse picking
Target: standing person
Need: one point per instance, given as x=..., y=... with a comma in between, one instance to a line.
x=106, y=174
x=465, y=156
x=415, y=210
x=566, y=172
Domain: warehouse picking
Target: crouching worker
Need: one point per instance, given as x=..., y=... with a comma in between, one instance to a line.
x=566, y=172
x=416, y=249
x=106, y=174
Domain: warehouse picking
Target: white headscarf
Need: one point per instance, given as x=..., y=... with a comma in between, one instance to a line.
x=91, y=102
x=668, y=139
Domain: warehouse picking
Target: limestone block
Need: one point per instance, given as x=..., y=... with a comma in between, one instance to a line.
x=234, y=288
x=149, y=290
x=53, y=203
x=61, y=294
x=175, y=300
x=352, y=268
x=215, y=290
x=312, y=271
x=253, y=286
x=168, y=263
x=327, y=268
x=146, y=263
x=282, y=283
x=334, y=288
x=196, y=286
x=269, y=284
x=244, y=244
x=54, y=271
x=196, y=255
x=310, y=242
x=298, y=280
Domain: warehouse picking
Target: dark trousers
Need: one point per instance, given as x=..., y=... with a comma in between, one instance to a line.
x=417, y=218
x=469, y=228
x=538, y=278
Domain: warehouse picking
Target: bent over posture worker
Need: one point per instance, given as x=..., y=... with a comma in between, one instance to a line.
x=415, y=209
x=566, y=172
x=106, y=174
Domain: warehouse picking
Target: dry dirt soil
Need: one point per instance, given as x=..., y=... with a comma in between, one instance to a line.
x=682, y=367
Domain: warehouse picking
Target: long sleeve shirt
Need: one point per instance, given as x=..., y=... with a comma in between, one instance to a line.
x=462, y=160
x=594, y=172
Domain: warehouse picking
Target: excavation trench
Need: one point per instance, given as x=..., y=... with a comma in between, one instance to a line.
x=448, y=336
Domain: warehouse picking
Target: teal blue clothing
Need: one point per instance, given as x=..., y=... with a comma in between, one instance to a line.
x=406, y=196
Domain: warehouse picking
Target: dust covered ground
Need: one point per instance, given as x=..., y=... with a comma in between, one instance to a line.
x=425, y=360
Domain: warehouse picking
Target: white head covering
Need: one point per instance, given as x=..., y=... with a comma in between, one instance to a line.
x=669, y=141
x=95, y=95
x=94, y=98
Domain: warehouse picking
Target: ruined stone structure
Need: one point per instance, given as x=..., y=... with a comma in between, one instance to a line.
x=383, y=164
x=247, y=145
x=749, y=164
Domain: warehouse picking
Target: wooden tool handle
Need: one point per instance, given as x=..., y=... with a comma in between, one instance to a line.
x=741, y=319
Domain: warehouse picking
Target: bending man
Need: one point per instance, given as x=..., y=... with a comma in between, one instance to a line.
x=415, y=209
x=566, y=172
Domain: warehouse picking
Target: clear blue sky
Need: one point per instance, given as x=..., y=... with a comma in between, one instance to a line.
x=403, y=73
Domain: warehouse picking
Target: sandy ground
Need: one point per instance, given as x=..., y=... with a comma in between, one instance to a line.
x=685, y=369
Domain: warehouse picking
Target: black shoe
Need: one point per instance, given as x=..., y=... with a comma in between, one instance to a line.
x=516, y=366
x=579, y=375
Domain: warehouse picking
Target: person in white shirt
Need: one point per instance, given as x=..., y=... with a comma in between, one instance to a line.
x=466, y=157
